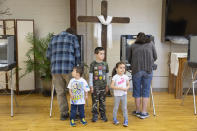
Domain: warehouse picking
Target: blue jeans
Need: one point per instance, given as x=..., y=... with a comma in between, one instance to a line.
x=73, y=111
x=141, y=84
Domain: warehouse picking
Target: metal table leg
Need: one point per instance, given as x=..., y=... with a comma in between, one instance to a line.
x=193, y=84
x=12, y=94
x=193, y=90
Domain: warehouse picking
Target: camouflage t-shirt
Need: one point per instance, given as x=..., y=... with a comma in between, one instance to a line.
x=99, y=71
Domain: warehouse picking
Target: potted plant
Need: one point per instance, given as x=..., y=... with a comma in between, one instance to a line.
x=39, y=63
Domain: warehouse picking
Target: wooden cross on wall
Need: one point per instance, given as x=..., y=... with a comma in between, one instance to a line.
x=104, y=27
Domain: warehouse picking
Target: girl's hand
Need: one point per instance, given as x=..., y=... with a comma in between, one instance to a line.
x=121, y=88
x=125, y=89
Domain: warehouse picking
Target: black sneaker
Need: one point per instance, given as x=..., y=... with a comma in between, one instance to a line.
x=144, y=115
x=135, y=113
x=104, y=118
x=94, y=118
x=63, y=117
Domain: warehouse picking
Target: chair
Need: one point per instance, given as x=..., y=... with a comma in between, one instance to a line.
x=192, y=63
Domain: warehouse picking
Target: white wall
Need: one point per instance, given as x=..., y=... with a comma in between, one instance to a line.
x=54, y=16
x=145, y=17
x=85, y=7
x=48, y=15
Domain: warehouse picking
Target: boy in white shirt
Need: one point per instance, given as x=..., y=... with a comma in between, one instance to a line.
x=78, y=90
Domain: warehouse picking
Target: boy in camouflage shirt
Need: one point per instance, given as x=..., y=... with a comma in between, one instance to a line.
x=98, y=81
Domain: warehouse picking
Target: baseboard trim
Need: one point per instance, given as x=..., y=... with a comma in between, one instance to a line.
x=8, y=92
x=156, y=90
x=27, y=92
x=160, y=89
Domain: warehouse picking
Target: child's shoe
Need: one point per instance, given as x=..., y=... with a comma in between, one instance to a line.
x=116, y=122
x=72, y=123
x=94, y=118
x=83, y=121
x=125, y=124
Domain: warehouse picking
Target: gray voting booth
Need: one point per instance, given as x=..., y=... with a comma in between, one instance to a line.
x=7, y=50
x=8, y=61
x=192, y=63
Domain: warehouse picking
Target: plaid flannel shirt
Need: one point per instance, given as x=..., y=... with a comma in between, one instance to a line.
x=64, y=53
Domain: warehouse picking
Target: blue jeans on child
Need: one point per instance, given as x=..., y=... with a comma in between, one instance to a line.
x=141, y=84
x=123, y=100
x=73, y=111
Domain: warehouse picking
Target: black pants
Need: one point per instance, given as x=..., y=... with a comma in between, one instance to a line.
x=98, y=96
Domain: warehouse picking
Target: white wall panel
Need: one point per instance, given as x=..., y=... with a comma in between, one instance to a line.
x=23, y=28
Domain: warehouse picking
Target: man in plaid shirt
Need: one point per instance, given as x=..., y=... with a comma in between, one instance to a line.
x=64, y=53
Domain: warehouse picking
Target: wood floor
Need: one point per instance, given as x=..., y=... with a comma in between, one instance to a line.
x=32, y=114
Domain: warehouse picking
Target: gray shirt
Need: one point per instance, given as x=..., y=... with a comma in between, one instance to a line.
x=142, y=57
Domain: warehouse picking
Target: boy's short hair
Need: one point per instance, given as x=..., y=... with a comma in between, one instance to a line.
x=97, y=49
x=79, y=70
